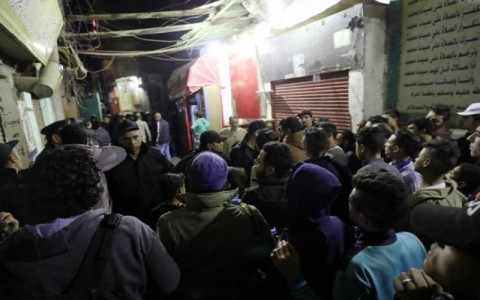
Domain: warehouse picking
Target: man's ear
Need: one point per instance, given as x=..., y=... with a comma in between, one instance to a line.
x=270, y=171
x=209, y=146
x=427, y=162
x=461, y=184
x=57, y=140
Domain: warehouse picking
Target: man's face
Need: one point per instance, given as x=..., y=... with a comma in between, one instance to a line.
x=454, y=174
x=131, y=141
x=307, y=120
x=259, y=165
x=474, y=140
x=233, y=122
x=467, y=122
x=422, y=156
x=106, y=120
x=16, y=157
x=413, y=128
x=391, y=146
x=339, y=139
x=157, y=116
x=216, y=147
x=359, y=152
x=443, y=262
x=437, y=119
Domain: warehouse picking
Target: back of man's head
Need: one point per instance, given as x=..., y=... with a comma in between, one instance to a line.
x=264, y=136
x=64, y=183
x=329, y=127
x=73, y=133
x=408, y=142
x=278, y=156
x=207, y=173
x=380, y=196
x=443, y=154
x=292, y=124
x=316, y=141
x=372, y=138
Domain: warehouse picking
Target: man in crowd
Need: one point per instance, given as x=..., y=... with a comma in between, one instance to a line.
x=234, y=134
x=334, y=150
x=307, y=118
x=133, y=183
x=143, y=128
x=316, y=143
x=292, y=128
x=11, y=184
x=272, y=168
x=402, y=148
x=434, y=161
x=452, y=265
x=210, y=140
x=244, y=153
x=439, y=114
x=423, y=128
x=65, y=185
x=229, y=241
x=160, y=130
x=52, y=135
x=106, y=157
x=469, y=120
x=369, y=145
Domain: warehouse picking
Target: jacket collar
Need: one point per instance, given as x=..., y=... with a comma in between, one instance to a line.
x=209, y=200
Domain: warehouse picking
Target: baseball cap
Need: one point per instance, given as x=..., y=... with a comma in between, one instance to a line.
x=6, y=150
x=207, y=173
x=457, y=227
x=305, y=112
x=211, y=136
x=472, y=109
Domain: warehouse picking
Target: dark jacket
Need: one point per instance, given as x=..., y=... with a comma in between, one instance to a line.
x=340, y=206
x=164, y=132
x=243, y=156
x=133, y=184
x=13, y=196
x=270, y=198
x=47, y=263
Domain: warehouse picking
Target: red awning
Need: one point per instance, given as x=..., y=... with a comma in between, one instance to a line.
x=191, y=77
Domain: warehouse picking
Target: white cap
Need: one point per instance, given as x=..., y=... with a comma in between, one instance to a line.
x=472, y=109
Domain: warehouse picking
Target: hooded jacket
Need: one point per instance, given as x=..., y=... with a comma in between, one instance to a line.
x=217, y=245
x=294, y=143
x=45, y=258
x=448, y=196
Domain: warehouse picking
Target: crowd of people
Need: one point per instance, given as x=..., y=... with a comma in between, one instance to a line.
x=296, y=211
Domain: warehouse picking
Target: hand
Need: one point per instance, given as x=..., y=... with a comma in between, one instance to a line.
x=8, y=223
x=286, y=260
x=416, y=285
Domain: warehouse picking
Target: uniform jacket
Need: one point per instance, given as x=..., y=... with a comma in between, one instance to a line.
x=294, y=143
x=164, y=132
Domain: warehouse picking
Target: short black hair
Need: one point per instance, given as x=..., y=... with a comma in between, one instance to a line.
x=408, y=142
x=63, y=182
x=169, y=185
x=350, y=137
x=380, y=196
x=73, y=133
x=278, y=156
x=377, y=119
x=470, y=174
x=443, y=153
x=329, y=127
x=292, y=123
x=441, y=109
x=372, y=138
x=394, y=113
x=423, y=124
x=264, y=136
x=316, y=140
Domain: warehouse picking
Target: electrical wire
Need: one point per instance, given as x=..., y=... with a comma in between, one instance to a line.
x=100, y=71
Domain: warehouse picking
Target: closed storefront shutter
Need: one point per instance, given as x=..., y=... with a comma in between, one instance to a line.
x=326, y=98
x=38, y=113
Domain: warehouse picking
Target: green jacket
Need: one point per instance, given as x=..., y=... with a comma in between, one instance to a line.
x=448, y=196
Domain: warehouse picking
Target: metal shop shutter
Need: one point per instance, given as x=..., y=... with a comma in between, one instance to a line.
x=38, y=113
x=327, y=98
